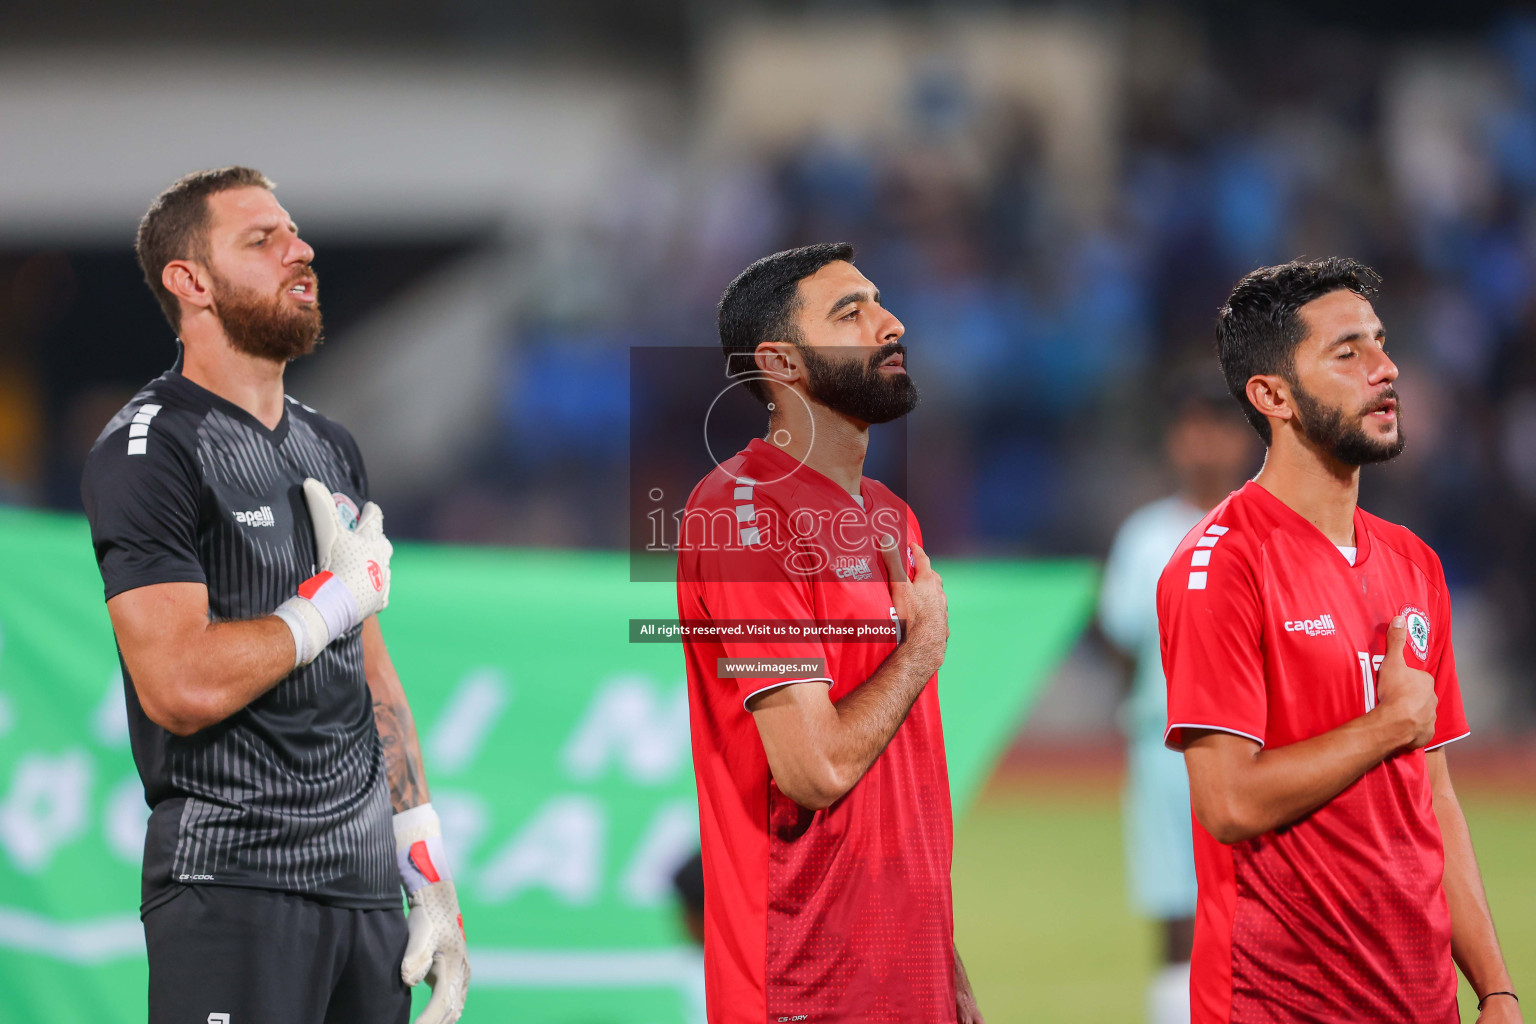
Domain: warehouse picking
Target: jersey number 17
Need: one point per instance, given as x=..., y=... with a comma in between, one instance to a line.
x=1369, y=666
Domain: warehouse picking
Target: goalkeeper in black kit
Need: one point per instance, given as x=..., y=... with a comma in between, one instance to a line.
x=244, y=566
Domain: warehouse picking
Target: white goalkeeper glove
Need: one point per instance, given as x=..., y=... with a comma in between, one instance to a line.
x=435, y=947
x=353, y=581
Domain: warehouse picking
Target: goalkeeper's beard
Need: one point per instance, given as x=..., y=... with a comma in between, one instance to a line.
x=267, y=328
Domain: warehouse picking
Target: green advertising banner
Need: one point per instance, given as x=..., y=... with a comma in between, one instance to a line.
x=557, y=753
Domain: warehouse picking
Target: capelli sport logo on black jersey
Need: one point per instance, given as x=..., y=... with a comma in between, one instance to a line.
x=257, y=517
x=1323, y=625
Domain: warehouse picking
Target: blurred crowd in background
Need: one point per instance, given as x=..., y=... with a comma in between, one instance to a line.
x=1055, y=207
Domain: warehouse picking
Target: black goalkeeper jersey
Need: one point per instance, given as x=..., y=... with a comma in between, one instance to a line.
x=288, y=793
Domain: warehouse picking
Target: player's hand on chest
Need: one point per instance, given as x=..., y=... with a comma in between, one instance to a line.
x=1326, y=639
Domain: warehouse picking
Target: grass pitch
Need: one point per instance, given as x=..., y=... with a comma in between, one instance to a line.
x=1041, y=917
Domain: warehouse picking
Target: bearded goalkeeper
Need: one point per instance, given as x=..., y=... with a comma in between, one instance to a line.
x=243, y=566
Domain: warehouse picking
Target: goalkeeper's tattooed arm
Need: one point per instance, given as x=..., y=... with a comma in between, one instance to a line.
x=435, y=951
x=397, y=728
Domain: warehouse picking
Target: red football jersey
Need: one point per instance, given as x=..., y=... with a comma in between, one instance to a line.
x=838, y=915
x=1269, y=632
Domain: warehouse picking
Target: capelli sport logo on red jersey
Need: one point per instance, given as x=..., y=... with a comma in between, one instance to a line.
x=1323, y=625
x=1418, y=630
x=846, y=567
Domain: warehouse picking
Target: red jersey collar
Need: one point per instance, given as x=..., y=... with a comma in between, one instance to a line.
x=787, y=466
x=1254, y=490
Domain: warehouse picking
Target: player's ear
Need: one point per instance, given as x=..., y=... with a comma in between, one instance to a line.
x=1271, y=395
x=779, y=360
x=187, y=281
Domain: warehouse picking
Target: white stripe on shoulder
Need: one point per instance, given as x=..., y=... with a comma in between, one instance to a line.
x=746, y=513
x=138, y=429
x=1201, y=556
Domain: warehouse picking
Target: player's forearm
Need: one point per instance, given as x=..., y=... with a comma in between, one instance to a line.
x=201, y=677
x=402, y=753
x=966, y=1009
x=869, y=715
x=1474, y=943
x=817, y=751
x=395, y=723
x=1245, y=791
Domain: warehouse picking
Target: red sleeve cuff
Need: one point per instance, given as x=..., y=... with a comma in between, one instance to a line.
x=1173, y=737
x=1446, y=742
x=782, y=682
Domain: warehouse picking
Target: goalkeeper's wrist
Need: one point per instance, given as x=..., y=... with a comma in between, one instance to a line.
x=419, y=849
x=322, y=610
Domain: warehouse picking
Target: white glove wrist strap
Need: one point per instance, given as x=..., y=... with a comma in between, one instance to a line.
x=308, y=627
x=419, y=848
x=321, y=611
x=333, y=601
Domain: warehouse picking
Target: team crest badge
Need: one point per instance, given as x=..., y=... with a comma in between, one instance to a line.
x=346, y=510
x=1418, y=631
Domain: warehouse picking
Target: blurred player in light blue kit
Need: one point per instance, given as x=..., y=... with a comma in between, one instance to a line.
x=1210, y=451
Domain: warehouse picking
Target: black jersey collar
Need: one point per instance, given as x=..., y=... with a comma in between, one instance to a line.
x=276, y=435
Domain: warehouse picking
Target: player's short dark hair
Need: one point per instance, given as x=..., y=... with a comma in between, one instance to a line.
x=1258, y=329
x=175, y=227
x=760, y=304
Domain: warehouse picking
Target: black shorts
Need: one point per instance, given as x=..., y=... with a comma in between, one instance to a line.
x=250, y=956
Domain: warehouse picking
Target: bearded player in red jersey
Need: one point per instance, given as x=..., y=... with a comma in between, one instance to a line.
x=1312, y=688
x=823, y=792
